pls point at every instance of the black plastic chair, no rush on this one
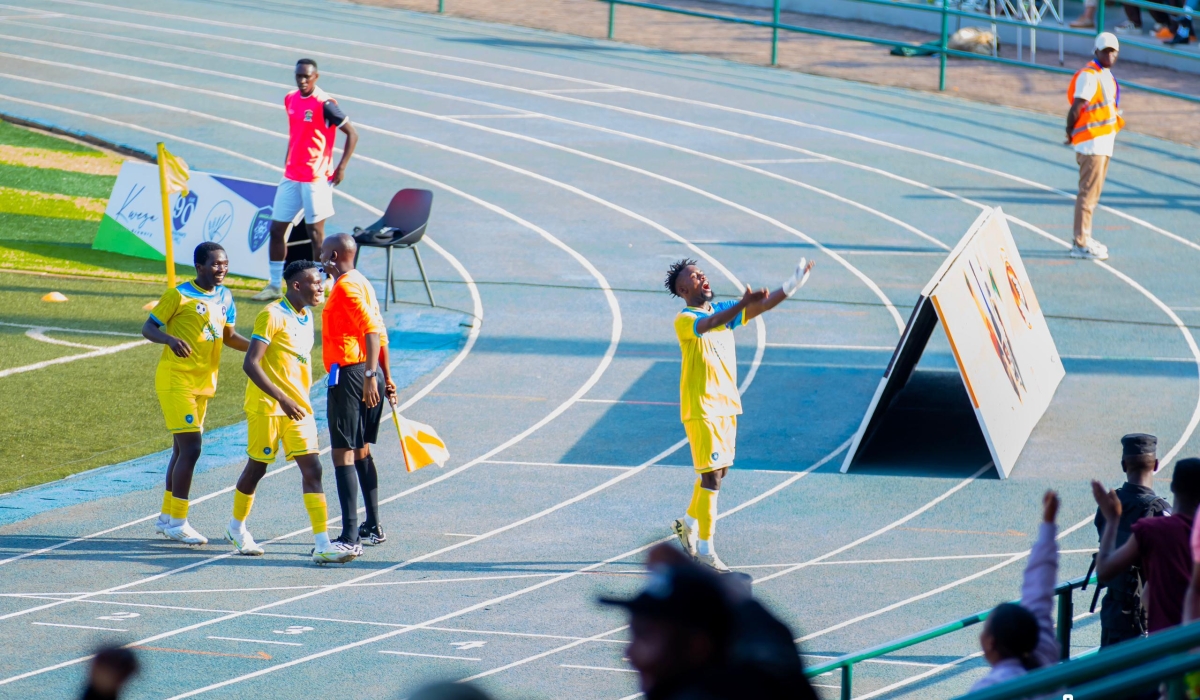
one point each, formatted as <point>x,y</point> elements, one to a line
<point>402,226</point>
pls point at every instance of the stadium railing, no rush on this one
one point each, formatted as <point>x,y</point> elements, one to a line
<point>941,47</point>
<point>1066,614</point>
<point>1119,671</point>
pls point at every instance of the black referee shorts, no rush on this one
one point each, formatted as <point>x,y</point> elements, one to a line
<point>351,424</point>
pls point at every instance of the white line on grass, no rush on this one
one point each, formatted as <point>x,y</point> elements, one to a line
<point>61,329</point>
<point>72,358</point>
<point>36,333</point>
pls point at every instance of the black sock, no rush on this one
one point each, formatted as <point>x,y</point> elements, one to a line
<point>368,479</point>
<point>347,488</point>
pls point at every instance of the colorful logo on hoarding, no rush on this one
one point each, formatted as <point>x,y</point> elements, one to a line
<point>218,221</point>
<point>182,210</point>
<point>260,229</point>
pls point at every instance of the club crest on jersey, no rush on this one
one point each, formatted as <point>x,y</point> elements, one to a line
<point>308,115</point>
<point>715,456</point>
<point>188,418</point>
<point>260,228</point>
<point>224,311</point>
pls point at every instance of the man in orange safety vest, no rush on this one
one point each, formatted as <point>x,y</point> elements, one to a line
<point>1092,126</point>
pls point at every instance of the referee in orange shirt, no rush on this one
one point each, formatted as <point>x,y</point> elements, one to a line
<point>354,347</point>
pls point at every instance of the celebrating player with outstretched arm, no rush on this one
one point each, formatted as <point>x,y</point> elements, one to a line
<point>278,410</point>
<point>709,402</point>
<point>193,320</point>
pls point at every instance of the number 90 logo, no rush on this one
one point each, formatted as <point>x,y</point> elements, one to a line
<point>181,212</point>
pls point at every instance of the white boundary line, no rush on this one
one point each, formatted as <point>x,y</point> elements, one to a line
<point>111,350</point>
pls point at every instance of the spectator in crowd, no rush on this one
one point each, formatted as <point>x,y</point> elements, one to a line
<point>1164,24</point>
<point>1092,125</point>
<point>1183,27</point>
<point>1017,639</point>
<point>1122,615</point>
<point>449,691</point>
<point>112,667</point>
<point>700,636</point>
<point>1159,546</point>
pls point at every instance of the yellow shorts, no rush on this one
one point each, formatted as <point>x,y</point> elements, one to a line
<point>183,411</point>
<point>712,442</point>
<point>266,432</point>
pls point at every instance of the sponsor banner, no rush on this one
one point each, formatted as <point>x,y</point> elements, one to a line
<point>233,212</point>
<point>1009,365</point>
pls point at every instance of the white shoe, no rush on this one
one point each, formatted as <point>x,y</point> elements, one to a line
<point>268,293</point>
<point>161,525</point>
<point>243,542</point>
<point>1093,251</point>
<point>1128,27</point>
<point>713,562</point>
<point>687,538</point>
<point>337,553</point>
<point>186,534</point>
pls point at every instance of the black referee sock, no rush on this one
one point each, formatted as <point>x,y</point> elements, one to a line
<point>368,479</point>
<point>347,488</point>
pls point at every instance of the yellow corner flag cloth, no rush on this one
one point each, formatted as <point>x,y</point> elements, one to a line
<point>175,172</point>
<point>419,443</point>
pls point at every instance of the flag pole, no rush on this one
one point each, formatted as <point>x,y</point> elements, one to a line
<point>400,434</point>
<point>168,237</point>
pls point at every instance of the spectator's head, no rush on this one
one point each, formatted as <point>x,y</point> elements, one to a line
<point>1185,484</point>
<point>681,623</point>
<point>112,667</point>
<point>449,691</point>
<point>1010,632</point>
<point>212,264</point>
<point>1139,456</point>
<point>1107,47</point>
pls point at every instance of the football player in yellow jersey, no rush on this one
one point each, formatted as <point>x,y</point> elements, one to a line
<point>709,401</point>
<point>193,320</point>
<point>279,364</point>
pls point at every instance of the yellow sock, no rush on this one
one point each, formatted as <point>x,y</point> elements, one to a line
<point>242,503</point>
<point>706,513</point>
<point>168,499</point>
<point>691,509</point>
<point>179,508</point>
<point>314,503</point>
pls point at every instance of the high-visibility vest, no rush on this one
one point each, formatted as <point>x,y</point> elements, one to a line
<point>1100,116</point>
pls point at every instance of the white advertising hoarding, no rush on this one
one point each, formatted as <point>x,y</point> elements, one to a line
<point>1002,346</point>
<point>231,211</point>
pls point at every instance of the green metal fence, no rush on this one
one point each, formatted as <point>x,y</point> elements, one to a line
<point>1119,671</point>
<point>1066,613</point>
<point>941,47</point>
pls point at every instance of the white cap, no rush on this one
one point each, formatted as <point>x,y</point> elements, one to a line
<point>1107,40</point>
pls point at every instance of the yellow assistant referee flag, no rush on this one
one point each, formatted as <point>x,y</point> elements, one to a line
<point>419,444</point>
<point>175,174</point>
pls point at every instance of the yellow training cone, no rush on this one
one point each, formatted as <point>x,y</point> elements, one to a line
<point>149,305</point>
<point>54,297</point>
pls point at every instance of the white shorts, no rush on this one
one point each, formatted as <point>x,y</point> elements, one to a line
<point>315,198</point>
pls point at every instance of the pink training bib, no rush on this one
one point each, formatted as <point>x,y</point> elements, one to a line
<point>310,137</point>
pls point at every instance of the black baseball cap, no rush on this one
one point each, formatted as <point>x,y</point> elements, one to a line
<point>685,594</point>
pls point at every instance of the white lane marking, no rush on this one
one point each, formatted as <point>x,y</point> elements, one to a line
<point>259,641</point>
<point>886,528</point>
<point>767,161</point>
<point>573,90</point>
<point>628,402</point>
<point>920,676</point>
<point>598,668</point>
<point>935,591</point>
<point>467,646</point>
<point>458,534</point>
<point>431,656</point>
<point>72,358</point>
<point>490,116</point>
<point>886,662</point>
<point>905,560</point>
<point>824,346</point>
<point>560,464</point>
<point>36,333</point>
<point>61,329</point>
<point>544,654</point>
<point>78,627</point>
<point>610,86</point>
<point>583,154</point>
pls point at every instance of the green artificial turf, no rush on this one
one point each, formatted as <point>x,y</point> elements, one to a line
<point>56,181</point>
<point>13,135</point>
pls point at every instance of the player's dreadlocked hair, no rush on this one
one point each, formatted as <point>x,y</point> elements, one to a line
<point>673,274</point>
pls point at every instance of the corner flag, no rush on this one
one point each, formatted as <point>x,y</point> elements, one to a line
<point>173,177</point>
<point>419,444</point>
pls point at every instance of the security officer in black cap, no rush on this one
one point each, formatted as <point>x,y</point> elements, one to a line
<point>1122,614</point>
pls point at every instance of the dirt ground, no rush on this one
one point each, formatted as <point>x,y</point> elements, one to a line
<point>1040,91</point>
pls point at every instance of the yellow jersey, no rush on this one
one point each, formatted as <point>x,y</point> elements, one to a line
<point>287,363</point>
<point>199,318</point>
<point>708,380</point>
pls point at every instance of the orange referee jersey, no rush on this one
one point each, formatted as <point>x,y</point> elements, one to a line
<point>350,313</point>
